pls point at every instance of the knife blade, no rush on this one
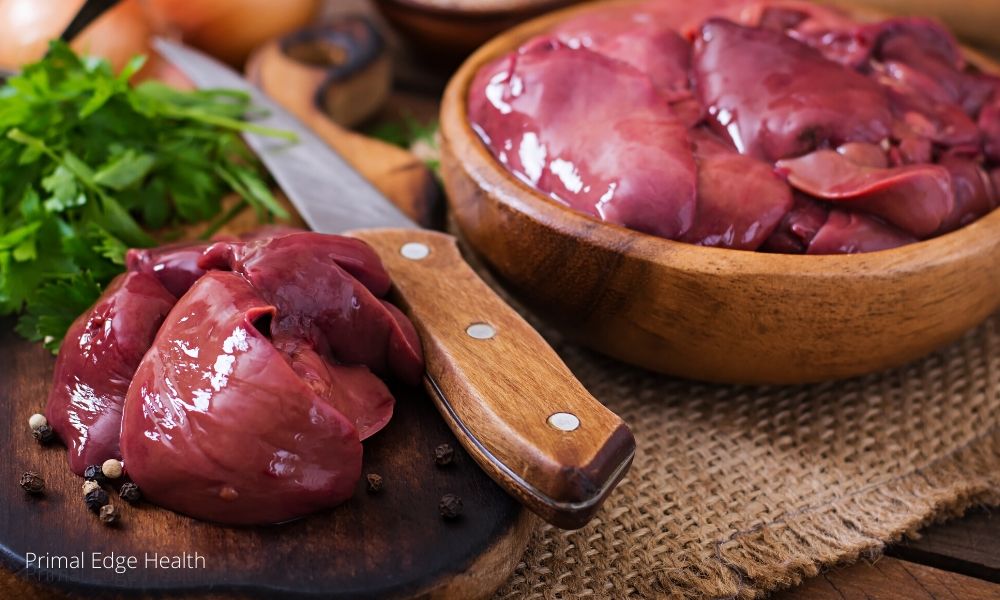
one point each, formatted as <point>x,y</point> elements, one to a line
<point>510,400</point>
<point>306,169</point>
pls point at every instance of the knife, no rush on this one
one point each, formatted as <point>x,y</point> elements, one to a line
<point>88,13</point>
<point>508,397</point>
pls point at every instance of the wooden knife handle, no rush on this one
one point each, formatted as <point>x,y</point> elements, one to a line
<point>509,398</point>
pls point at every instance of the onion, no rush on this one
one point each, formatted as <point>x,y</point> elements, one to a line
<point>230,29</point>
<point>117,35</point>
<point>26,26</point>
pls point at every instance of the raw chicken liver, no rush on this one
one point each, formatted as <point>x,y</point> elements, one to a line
<point>325,289</point>
<point>777,97</point>
<point>351,389</point>
<point>176,265</point>
<point>638,38</point>
<point>590,131</point>
<point>916,198</point>
<point>251,405</point>
<point>740,199</point>
<point>849,233</point>
<point>219,426</point>
<point>98,357</point>
<point>881,131</point>
<point>798,227</point>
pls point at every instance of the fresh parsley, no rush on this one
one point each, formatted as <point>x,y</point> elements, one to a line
<point>91,165</point>
<point>410,133</point>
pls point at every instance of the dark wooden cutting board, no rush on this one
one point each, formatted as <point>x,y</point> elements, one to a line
<point>392,544</point>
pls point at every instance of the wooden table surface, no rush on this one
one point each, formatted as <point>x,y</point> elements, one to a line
<point>958,560</point>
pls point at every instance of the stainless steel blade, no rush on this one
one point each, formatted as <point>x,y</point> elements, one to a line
<point>329,194</point>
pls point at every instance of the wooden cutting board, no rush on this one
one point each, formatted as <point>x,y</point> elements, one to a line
<point>393,544</point>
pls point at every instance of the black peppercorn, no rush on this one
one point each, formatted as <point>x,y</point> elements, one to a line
<point>374,483</point>
<point>444,455</point>
<point>450,506</point>
<point>43,434</point>
<point>32,482</point>
<point>96,499</point>
<point>94,473</point>
<point>109,514</point>
<point>130,493</point>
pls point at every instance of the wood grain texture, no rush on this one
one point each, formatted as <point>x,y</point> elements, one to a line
<point>392,544</point>
<point>501,391</point>
<point>891,579</point>
<point>709,313</point>
<point>970,546</point>
<point>341,65</point>
<point>296,85</point>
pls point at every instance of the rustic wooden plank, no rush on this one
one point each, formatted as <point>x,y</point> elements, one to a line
<point>891,579</point>
<point>970,546</point>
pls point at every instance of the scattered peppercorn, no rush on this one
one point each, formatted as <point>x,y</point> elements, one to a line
<point>43,434</point>
<point>32,482</point>
<point>94,473</point>
<point>444,455</point>
<point>89,486</point>
<point>112,468</point>
<point>36,420</point>
<point>95,499</point>
<point>374,483</point>
<point>450,506</point>
<point>130,493</point>
<point>109,514</point>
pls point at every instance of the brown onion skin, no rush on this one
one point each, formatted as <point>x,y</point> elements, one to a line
<point>227,29</point>
<point>26,26</point>
<point>230,29</point>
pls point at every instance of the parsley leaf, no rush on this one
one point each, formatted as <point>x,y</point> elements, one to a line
<point>91,165</point>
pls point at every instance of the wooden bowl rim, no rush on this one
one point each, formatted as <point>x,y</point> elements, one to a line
<point>491,176</point>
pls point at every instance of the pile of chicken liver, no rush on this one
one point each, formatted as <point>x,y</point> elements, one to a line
<point>236,380</point>
<point>777,126</point>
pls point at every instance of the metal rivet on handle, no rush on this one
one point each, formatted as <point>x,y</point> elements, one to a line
<point>564,421</point>
<point>414,251</point>
<point>481,331</point>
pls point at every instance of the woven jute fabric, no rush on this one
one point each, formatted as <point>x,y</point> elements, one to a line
<point>737,491</point>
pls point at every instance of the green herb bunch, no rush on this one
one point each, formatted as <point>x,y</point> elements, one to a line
<point>91,166</point>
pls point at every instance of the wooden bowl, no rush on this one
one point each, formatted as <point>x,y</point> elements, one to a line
<point>709,313</point>
<point>451,29</point>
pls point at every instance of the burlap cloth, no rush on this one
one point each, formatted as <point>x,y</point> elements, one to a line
<point>736,491</point>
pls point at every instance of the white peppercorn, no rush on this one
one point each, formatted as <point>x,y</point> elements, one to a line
<point>112,468</point>
<point>37,420</point>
